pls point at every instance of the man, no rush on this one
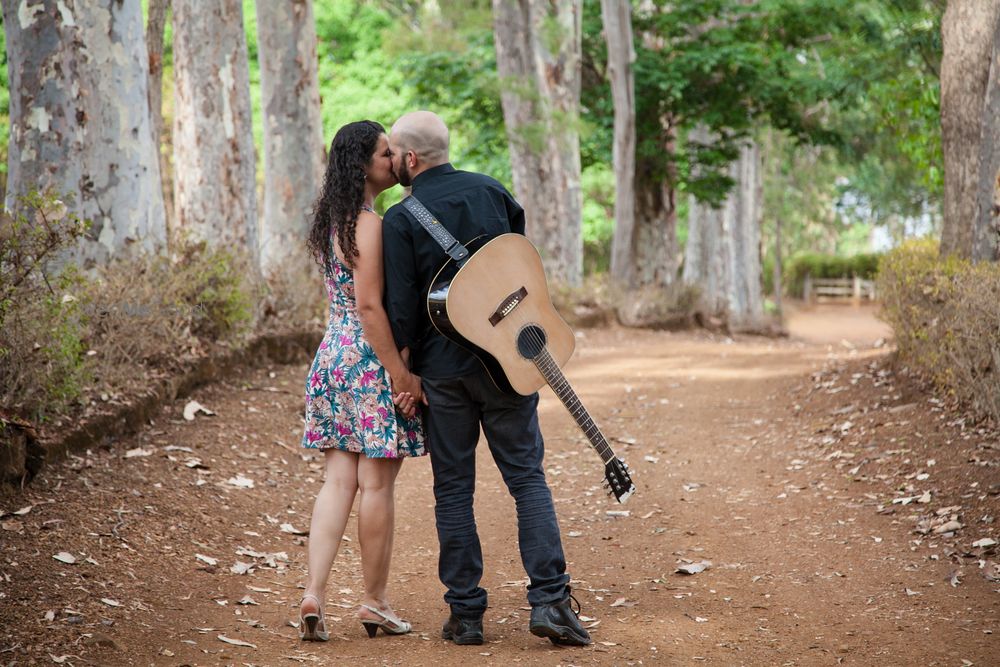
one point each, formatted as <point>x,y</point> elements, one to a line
<point>460,395</point>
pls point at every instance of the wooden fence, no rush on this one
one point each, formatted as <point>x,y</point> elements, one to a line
<point>826,289</point>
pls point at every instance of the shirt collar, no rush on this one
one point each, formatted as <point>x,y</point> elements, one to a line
<point>432,172</point>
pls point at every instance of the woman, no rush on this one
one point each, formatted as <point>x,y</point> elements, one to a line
<point>351,414</point>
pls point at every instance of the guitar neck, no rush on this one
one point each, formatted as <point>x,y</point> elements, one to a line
<point>560,385</point>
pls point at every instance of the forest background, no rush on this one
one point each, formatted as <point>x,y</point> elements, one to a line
<point>678,162</point>
<point>876,164</point>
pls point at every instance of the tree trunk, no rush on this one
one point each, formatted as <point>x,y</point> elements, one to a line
<point>538,48</point>
<point>214,164</point>
<point>155,24</point>
<point>722,257</point>
<point>293,133</point>
<point>986,238</point>
<point>617,19</point>
<point>80,120</point>
<point>741,232</point>
<point>967,31</point>
<point>703,265</point>
<point>777,276</point>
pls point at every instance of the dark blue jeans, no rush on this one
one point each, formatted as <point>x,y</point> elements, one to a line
<point>457,408</point>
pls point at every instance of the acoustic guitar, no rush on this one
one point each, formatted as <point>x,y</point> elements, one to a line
<point>495,303</point>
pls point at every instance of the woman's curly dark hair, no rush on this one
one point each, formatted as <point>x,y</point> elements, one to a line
<point>343,191</point>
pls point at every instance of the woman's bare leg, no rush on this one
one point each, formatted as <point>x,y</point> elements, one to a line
<point>329,518</point>
<point>376,514</point>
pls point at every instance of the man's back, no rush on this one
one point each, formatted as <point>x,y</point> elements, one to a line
<point>469,205</point>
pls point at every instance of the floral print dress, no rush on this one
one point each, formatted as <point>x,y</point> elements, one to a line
<point>348,394</point>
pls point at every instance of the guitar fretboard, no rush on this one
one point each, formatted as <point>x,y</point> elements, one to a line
<point>554,376</point>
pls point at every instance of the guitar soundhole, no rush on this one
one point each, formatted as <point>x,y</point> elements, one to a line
<point>531,341</point>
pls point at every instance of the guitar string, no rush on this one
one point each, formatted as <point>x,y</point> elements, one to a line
<point>548,362</point>
<point>547,367</point>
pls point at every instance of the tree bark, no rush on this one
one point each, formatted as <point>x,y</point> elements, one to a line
<point>538,46</point>
<point>777,275</point>
<point>653,249</point>
<point>986,237</point>
<point>617,18</point>
<point>155,24</point>
<point>741,232</point>
<point>293,132</point>
<point>967,32</point>
<point>214,163</point>
<point>722,257</point>
<point>80,120</point>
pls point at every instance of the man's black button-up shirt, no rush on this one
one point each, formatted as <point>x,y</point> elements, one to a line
<point>468,205</point>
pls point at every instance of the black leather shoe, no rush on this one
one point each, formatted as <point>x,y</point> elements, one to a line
<point>463,631</point>
<point>559,623</point>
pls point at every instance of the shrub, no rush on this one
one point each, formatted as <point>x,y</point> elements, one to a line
<point>64,334</point>
<point>153,312</point>
<point>42,366</point>
<point>946,318</point>
<point>589,305</point>
<point>816,265</point>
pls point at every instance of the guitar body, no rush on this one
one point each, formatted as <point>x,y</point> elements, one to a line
<point>496,305</point>
<point>498,297</point>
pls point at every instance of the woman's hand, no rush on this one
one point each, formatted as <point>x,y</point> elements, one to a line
<point>408,394</point>
<point>405,404</point>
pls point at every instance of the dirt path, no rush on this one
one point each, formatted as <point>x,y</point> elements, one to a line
<point>776,460</point>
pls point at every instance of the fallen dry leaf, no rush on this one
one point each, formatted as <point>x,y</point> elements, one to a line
<point>289,528</point>
<point>194,407</point>
<point>694,568</point>
<point>241,568</point>
<point>139,451</point>
<point>240,482</point>
<point>207,559</point>
<point>623,602</point>
<point>236,642</point>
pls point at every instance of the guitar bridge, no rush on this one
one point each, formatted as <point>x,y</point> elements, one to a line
<point>507,306</point>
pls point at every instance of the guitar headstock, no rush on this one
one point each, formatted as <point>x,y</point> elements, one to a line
<point>617,479</point>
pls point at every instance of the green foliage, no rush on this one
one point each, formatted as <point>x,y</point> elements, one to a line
<point>727,65</point>
<point>42,365</point>
<point>895,126</point>
<point>215,285</point>
<point>944,313</point>
<point>598,185</point>
<point>448,61</point>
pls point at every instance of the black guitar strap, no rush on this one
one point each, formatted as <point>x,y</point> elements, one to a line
<point>458,252</point>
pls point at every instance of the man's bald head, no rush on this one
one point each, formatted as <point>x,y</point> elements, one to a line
<point>424,133</point>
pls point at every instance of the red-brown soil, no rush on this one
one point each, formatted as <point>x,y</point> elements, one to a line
<point>776,460</point>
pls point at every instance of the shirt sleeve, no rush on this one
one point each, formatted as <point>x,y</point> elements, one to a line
<point>402,294</point>
<point>515,214</point>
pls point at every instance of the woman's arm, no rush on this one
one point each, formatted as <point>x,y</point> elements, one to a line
<point>369,282</point>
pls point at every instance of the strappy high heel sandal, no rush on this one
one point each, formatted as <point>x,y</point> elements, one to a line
<point>312,626</point>
<point>390,623</point>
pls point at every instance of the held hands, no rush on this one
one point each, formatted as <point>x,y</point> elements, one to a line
<point>408,394</point>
